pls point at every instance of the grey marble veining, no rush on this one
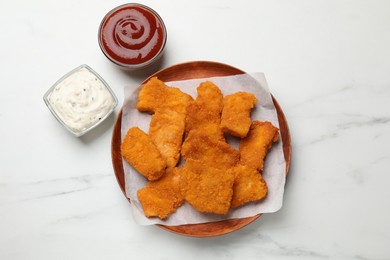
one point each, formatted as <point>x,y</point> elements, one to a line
<point>326,62</point>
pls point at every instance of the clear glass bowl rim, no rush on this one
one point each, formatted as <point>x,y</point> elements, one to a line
<point>50,90</point>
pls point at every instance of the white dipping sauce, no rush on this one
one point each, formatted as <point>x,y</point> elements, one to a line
<point>81,100</point>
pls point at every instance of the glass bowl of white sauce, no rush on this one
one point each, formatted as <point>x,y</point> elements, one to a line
<point>80,100</point>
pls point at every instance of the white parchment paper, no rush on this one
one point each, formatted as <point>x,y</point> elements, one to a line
<point>274,169</point>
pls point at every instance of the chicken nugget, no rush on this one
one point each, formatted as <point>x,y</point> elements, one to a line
<point>162,197</point>
<point>254,147</point>
<point>199,118</point>
<point>248,186</point>
<point>152,95</point>
<point>155,94</point>
<point>207,189</point>
<point>235,118</point>
<point>199,146</point>
<point>166,132</point>
<point>205,112</point>
<point>138,149</point>
<point>210,96</point>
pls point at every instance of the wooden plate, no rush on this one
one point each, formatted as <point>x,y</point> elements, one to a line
<point>193,70</point>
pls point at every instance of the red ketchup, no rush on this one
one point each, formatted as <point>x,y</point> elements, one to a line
<point>132,36</point>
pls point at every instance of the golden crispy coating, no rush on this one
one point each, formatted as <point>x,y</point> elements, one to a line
<point>255,146</point>
<point>152,95</point>
<point>138,149</point>
<point>199,118</point>
<point>235,118</point>
<point>162,197</point>
<point>199,146</point>
<point>155,94</point>
<point>168,106</point>
<point>166,132</point>
<point>205,112</point>
<point>248,186</point>
<point>207,189</point>
<point>215,177</point>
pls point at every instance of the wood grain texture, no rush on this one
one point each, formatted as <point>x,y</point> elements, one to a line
<point>193,70</point>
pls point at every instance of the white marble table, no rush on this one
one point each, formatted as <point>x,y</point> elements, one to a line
<point>328,65</point>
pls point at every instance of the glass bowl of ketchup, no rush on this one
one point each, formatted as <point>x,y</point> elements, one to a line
<point>132,36</point>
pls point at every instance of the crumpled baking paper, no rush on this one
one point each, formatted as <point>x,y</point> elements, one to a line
<point>274,172</point>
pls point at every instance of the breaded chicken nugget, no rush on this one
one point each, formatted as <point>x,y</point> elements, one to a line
<point>138,149</point>
<point>255,146</point>
<point>166,132</point>
<point>205,112</point>
<point>207,189</point>
<point>199,118</point>
<point>155,94</point>
<point>169,108</point>
<point>199,146</point>
<point>248,186</point>
<point>210,96</point>
<point>162,197</point>
<point>235,118</point>
<point>152,95</point>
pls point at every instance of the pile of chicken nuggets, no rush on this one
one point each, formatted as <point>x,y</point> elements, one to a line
<point>214,177</point>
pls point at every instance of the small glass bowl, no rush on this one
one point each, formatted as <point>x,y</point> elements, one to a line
<point>101,118</point>
<point>110,41</point>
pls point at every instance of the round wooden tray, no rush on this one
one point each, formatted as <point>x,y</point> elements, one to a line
<point>193,70</point>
